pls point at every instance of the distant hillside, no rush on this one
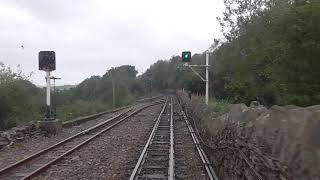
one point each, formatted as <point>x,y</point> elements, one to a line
<point>65,87</point>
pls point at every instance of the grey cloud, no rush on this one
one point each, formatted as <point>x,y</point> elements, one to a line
<point>54,10</point>
<point>88,42</point>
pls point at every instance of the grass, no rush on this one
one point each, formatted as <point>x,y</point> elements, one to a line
<point>218,107</point>
<point>80,108</point>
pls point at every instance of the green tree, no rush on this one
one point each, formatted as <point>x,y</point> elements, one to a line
<point>272,51</point>
<point>19,98</point>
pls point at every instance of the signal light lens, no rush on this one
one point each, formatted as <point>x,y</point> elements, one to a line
<point>186,56</point>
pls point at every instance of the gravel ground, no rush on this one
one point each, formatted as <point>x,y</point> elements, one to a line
<point>28,146</point>
<point>187,161</point>
<point>110,156</point>
<point>114,154</point>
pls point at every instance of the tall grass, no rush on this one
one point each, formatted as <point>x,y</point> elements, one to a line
<point>80,108</point>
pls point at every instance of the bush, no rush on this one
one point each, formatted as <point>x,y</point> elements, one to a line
<point>219,107</point>
<point>21,101</point>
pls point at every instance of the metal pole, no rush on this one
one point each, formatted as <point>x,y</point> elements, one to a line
<point>151,88</point>
<point>53,99</point>
<point>207,78</point>
<point>113,93</point>
<point>48,115</point>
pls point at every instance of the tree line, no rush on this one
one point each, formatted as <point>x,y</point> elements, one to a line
<point>270,53</point>
<point>21,101</point>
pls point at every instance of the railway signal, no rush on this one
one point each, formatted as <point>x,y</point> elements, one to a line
<point>186,56</point>
<point>47,63</point>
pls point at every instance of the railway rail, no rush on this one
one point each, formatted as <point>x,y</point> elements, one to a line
<point>36,163</point>
<point>209,169</point>
<point>157,158</point>
<point>153,160</point>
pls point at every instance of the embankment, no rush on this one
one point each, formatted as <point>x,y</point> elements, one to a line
<point>259,143</point>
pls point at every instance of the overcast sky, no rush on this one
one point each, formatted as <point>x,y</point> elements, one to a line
<point>91,36</point>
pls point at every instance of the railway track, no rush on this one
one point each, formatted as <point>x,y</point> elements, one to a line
<point>157,159</point>
<point>40,161</point>
<point>205,161</point>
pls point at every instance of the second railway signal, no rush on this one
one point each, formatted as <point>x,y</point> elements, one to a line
<point>186,56</point>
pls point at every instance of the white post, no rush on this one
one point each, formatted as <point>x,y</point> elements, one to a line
<point>207,78</point>
<point>48,95</point>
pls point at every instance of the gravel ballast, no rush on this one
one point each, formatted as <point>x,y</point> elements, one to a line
<point>187,160</point>
<point>110,156</point>
<point>114,154</point>
<point>37,142</point>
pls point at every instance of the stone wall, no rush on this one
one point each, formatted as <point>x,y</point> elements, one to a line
<point>259,143</point>
<point>18,133</point>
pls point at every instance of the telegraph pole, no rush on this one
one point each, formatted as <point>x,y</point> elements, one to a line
<point>150,79</point>
<point>207,77</point>
<point>113,92</point>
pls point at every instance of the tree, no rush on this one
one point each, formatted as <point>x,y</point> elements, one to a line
<point>272,51</point>
<point>19,98</point>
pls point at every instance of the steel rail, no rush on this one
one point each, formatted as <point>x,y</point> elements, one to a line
<point>37,154</point>
<point>171,156</point>
<point>240,153</point>
<point>212,175</point>
<point>42,168</point>
<point>2,171</point>
<point>141,159</point>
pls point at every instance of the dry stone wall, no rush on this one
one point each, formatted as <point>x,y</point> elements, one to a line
<point>15,134</point>
<point>259,143</point>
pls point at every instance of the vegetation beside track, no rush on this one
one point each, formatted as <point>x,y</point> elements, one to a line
<point>21,101</point>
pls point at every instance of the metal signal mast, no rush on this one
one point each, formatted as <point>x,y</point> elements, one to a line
<point>186,57</point>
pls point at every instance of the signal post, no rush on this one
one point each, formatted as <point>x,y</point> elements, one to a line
<point>186,58</point>
<point>47,63</point>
